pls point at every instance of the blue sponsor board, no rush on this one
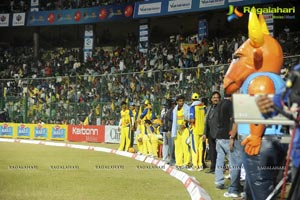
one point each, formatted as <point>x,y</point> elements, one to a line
<point>23,132</point>
<point>80,16</point>
<point>6,131</point>
<point>144,38</point>
<point>157,8</point>
<point>202,29</point>
<point>40,133</point>
<point>58,133</point>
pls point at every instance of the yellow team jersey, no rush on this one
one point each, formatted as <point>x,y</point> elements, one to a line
<point>198,125</point>
<point>125,118</point>
<point>148,115</point>
<point>180,117</point>
<point>134,114</point>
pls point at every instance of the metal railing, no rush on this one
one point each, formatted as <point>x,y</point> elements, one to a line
<point>70,99</point>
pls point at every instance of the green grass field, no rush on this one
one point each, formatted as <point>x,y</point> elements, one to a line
<point>29,172</point>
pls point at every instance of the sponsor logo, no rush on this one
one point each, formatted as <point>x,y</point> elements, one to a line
<point>233,13</point>
<point>276,12</point>
<point>84,131</point>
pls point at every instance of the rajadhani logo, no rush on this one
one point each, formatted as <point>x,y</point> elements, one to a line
<point>233,13</point>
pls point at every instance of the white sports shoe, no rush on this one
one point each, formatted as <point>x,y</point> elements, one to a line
<point>233,195</point>
<point>227,176</point>
<point>200,169</point>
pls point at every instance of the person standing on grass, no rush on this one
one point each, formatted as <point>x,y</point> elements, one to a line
<point>196,123</point>
<point>134,125</point>
<point>228,145</point>
<point>147,114</point>
<point>180,132</point>
<point>210,130</point>
<point>168,145</point>
<point>125,124</point>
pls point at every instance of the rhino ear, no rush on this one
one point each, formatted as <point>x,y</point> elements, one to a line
<point>257,58</point>
<point>255,30</point>
<point>263,24</point>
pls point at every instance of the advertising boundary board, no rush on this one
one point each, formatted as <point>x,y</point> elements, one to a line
<point>112,135</point>
<point>192,186</point>
<point>82,133</point>
<point>34,131</point>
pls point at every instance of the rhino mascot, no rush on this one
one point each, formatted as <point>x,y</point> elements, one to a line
<point>255,69</point>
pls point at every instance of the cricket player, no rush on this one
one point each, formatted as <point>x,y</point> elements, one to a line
<point>125,124</point>
<point>154,136</point>
<point>146,115</point>
<point>196,122</point>
<point>180,133</point>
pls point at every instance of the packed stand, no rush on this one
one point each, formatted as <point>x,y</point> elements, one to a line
<point>59,84</point>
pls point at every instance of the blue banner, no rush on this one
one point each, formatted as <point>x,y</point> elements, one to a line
<point>80,16</point>
<point>202,29</point>
<point>6,131</point>
<point>23,131</point>
<point>144,38</point>
<point>40,132</point>
<point>157,8</point>
<point>88,42</point>
<point>58,133</point>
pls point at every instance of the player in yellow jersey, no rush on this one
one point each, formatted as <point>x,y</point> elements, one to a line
<point>125,124</point>
<point>147,114</point>
<point>180,133</point>
<point>196,124</point>
<point>154,135</point>
<point>140,128</point>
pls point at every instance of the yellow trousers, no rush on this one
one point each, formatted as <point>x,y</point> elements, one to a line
<point>124,139</point>
<point>154,144</point>
<point>139,142</point>
<point>196,150</point>
<point>182,153</point>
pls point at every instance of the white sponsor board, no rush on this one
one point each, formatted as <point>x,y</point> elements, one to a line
<point>34,2</point>
<point>18,19</point>
<point>149,8</point>
<point>177,5</point>
<point>88,43</point>
<point>211,3</point>
<point>112,135</point>
<point>4,19</point>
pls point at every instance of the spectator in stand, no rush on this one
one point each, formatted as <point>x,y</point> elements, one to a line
<point>18,64</point>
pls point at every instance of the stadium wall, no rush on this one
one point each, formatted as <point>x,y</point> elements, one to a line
<point>73,133</point>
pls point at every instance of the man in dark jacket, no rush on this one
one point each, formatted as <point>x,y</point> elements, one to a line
<point>168,144</point>
<point>211,128</point>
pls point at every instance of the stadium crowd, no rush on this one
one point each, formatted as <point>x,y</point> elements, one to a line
<point>59,87</point>
<point>60,84</point>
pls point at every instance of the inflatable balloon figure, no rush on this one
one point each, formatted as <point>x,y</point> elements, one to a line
<point>255,69</point>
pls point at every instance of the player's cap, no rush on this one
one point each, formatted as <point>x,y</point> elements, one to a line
<point>146,102</point>
<point>157,121</point>
<point>131,104</point>
<point>195,96</point>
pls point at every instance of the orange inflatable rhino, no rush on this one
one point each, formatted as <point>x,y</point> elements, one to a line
<point>255,69</point>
